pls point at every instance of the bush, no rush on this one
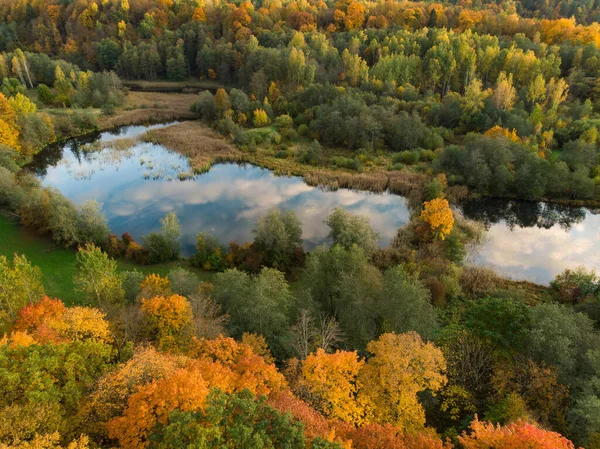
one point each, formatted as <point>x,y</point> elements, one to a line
<point>303,129</point>
<point>312,155</point>
<point>407,157</point>
<point>345,162</point>
<point>45,95</point>
<point>576,285</point>
<point>209,253</point>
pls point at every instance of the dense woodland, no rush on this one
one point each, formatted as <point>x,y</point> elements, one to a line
<point>351,345</point>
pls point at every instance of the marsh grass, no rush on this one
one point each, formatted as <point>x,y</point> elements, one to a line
<point>150,107</point>
<point>200,144</point>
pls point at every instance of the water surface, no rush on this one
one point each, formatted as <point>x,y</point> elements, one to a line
<point>139,185</point>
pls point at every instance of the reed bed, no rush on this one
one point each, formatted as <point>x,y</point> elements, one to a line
<point>200,144</point>
<point>374,182</point>
<point>147,107</point>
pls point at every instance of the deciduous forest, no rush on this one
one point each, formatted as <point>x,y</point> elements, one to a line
<point>264,344</point>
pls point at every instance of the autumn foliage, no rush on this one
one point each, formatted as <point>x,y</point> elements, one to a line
<point>438,215</point>
<point>518,435</point>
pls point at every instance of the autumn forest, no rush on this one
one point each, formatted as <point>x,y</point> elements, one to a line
<point>354,341</point>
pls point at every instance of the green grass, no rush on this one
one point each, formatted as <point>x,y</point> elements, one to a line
<point>58,264</point>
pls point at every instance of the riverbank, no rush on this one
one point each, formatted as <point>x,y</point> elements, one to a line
<point>58,263</point>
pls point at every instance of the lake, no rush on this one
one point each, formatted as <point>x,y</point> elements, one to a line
<point>139,185</point>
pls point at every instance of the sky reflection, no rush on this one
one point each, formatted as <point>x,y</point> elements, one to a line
<point>526,240</point>
<point>226,201</point>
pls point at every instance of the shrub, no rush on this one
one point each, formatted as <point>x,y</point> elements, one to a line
<point>576,285</point>
<point>209,252</point>
<point>45,95</point>
<point>407,157</point>
<point>345,162</point>
<point>11,193</point>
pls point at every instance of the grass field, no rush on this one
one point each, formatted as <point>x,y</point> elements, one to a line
<point>58,264</point>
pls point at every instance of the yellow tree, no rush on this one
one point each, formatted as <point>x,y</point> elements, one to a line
<point>171,320</point>
<point>401,366</point>
<point>438,215</point>
<point>505,94</point>
<point>155,285</point>
<point>9,131</point>
<point>332,378</point>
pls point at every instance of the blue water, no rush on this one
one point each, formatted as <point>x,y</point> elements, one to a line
<point>137,186</point>
<point>140,185</point>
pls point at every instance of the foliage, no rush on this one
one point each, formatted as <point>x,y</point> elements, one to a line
<point>437,214</point>
<point>332,379</point>
<point>163,246</point>
<point>279,235</point>
<point>348,230</point>
<point>171,320</point>
<point>514,435</point>
<point>228,420</point>
<point>400,367</point>
<point>96,277</point>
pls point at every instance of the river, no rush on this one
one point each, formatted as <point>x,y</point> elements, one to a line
<point>138,185</point>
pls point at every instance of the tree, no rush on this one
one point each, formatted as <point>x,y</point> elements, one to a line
<point>222,101</point>
<point>9,131</point>
<point>20,284</point>
<point>504,322</point>
<point>163,246</point>
<point>43,387</point>
<point>438,215</point>
<point>514,435</point>
<point>332,379</point>
<point>171,320</point>
<point>114,389</point>
<point>260,118</point>
<point>96,277</point>
<point>279,236</point>
<point>505,94</point>
<point>404,304</point>
<point>92,226</point>
<point>348,230</point>
<point>237,420</point>
<point>345,287</point>
<point>400,367</point>
<point>185,389</point>
<point>257,304</point>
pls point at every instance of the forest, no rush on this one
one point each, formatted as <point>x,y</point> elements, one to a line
<point>263,344</point>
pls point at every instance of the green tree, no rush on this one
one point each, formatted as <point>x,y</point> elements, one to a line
<point>91,223</point>
<point>163,246</point>
<point>20,284</point>
<point>279,236</point>
<point>258,304</point>
<point>503,321</point>
<point>348,230</point>
<point>43,387</point>
<point>97,278</point>
<point>404,304</point>
<point>236,420</point>
<point>344,286</point>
